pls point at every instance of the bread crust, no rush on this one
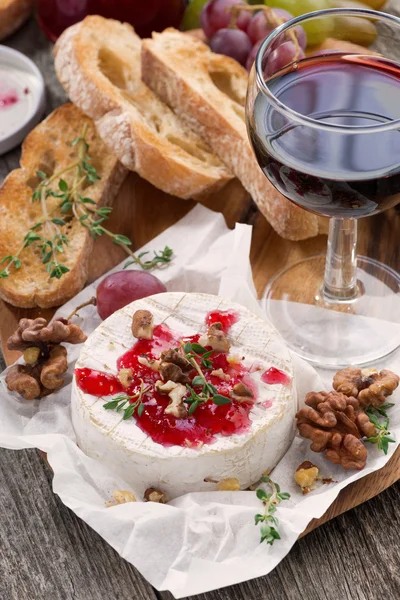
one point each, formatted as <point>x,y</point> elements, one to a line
<point>13,13</point>
<point>209,91</point>
<point>98,63</point>
<point>48,148</point>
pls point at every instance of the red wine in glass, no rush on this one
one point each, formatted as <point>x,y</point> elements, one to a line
<point>331,171</point>
<point>145,15</point>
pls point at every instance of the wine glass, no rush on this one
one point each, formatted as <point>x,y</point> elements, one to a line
<point>326,132</point>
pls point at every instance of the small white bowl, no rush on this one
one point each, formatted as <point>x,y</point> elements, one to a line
<point>22,97</point>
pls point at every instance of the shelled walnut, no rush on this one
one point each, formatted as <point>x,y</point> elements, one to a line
<point>215,338</point>
<point>335,424</point>
<point>46,360</point>
<point>368,386</point>
<point>143,325</point>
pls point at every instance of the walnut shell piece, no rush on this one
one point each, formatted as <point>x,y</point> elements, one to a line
<point>369,387</point>
<point>142,325</point>
<point>335,424</point>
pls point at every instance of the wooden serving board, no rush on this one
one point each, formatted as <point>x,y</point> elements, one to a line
<point>141,212</point>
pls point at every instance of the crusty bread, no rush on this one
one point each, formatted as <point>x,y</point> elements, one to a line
<point>13,13</point>
<point>98,63</point>
<point>209,91</point>
<point>48,148</point>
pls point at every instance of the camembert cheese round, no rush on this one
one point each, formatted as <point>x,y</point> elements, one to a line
<point>203,393</point>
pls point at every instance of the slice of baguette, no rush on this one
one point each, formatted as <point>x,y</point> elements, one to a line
<point>13,13</point>
<point>209,90</point>
<point>48,148</point>
<point>98,63</point>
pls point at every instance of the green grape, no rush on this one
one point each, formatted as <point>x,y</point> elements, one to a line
<point>191,18</point>
<point>317,30</point>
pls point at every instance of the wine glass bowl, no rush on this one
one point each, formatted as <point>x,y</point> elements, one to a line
<point>325,130</point>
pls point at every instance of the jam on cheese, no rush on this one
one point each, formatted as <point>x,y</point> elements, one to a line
<point>274,376</point>
<point>208,419</point>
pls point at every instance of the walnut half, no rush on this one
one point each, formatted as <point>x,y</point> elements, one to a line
<point>335,424</point>
<point>368,386</point>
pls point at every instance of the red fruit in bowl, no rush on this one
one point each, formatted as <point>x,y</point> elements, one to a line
<point>121,288</point>
<point>217,14</point>
<point>231,42</point>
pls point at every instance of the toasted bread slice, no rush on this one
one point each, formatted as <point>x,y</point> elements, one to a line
<point>209,91</point>
<point>98,63</point>
<point>13,13</point>
<point>48,148</point>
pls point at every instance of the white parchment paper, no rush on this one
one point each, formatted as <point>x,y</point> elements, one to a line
<point>201,541</point>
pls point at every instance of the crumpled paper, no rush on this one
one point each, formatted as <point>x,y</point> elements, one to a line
<point>200,541</point>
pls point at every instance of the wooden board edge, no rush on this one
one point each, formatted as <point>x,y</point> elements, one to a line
<point>360,491</point>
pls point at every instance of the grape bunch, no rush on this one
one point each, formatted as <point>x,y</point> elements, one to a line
<point>240,33</point>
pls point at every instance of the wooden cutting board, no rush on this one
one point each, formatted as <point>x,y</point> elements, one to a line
<point>141,212</point>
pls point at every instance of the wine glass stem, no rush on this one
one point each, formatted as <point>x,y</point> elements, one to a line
<point>340,282</point>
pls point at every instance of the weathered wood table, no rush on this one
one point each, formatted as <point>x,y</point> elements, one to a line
<point>48,553</point>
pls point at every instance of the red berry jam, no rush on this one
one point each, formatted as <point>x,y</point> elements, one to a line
<point>97,383</point>
<point>225,317</point>
<point>206,421</point>
<point>275,376</point>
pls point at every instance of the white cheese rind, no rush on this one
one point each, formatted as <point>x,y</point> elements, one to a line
<point>176,470</point>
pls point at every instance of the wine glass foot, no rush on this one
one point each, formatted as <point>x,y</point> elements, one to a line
<point>331,333</point>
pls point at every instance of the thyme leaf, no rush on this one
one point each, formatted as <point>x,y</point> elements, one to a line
<point>271,498</point>
<point>48,235</point>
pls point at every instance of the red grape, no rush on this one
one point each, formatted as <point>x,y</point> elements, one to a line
<point>300,33</point>
<point>301,37</point>
<point>282,14</point>
<point>253,54</point>
<point>259,27</point>
<point>282,56</point>
<point>217,14</point>
<point>243,20</point>
<point>121,288</point>
<point>231,42</point>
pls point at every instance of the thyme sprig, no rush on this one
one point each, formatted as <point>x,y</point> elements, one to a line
<point>124,402</point>
<point>269,528</point>
<point>199,357</point>
<point>48,234</point>
<point>382,438</point>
